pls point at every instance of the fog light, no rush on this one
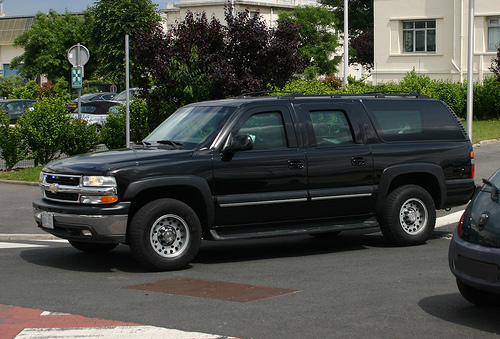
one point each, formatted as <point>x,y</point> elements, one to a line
<point>87,233</point>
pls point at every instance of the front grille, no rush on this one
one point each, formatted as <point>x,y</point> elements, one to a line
<point>62,180</point>
<point>62,196</point>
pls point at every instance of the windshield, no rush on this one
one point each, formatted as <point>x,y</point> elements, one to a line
<point>191,127</point>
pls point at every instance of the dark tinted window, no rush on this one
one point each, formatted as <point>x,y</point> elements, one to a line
<point>266,130</point>
<point>408,120</point>
<point>330,128</point>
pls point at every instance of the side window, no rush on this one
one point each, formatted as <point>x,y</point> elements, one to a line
<point>266,130</point>
<point>411,120</point>
<point>331,128</point>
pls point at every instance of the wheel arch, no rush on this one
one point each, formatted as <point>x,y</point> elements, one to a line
<point>191,190</point>
<point>428,176</point>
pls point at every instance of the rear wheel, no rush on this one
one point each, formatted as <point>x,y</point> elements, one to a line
<point>408,216</point>
<point>165,235</point>
<point>92,247</point>
<point>478,297</point>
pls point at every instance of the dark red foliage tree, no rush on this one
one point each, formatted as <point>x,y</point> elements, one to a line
<point>201,59</point>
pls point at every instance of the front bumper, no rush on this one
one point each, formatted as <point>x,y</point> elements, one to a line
<point>475,265</point>
<point>83,223</point>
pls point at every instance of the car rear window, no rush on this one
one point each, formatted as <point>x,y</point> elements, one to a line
<point>413,120</point>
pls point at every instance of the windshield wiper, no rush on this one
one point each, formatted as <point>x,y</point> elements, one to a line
<point>175,144</point>
<point>142,143</point>
<point>494,189</point>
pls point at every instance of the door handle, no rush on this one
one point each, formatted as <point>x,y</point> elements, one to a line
<point>296,164</point>
<point>358,161</point>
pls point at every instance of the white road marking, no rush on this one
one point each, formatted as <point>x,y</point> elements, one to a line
<point>449,219</point>
<point>4,245</point>
<point>127,332</point>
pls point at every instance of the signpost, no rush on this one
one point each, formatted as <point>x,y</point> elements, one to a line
<point>78,56</point>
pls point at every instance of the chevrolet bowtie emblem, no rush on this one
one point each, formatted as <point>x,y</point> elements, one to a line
<point>54,188</point>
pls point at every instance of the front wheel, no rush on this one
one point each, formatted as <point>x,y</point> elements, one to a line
<point>165,235</point>
<point>408,216</point>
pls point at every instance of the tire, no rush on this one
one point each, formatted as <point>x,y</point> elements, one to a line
<point>408,216</point>
<point>478,297</point>
<point>164,235</point>
<point>92,247</point>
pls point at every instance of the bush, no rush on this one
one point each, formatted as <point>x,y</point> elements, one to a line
<point>43,129</point>
<point>80,137</point>
<point>12,147</point>
<point>113,131</point>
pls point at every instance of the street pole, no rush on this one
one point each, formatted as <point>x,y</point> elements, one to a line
<point>470,71</point>
<point>79,90</point>
<point>127,87</point>
<point>346,42</point>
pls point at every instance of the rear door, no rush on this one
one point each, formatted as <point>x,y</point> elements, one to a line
<point>340,164</point>
<point>267,183</point>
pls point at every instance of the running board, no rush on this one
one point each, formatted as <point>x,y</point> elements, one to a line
<point>282,230</point>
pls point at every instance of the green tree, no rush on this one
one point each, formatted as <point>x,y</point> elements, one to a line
<point>107,23</point>
<point>46,45</point>
<point>8,84</point>
<point>317,36</point>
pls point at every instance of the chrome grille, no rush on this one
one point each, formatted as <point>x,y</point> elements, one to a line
<point>62,179</point>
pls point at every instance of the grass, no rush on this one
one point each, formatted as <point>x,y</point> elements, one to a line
<point>481,130</point>
<point>485,130</point>
<point>25,174</point>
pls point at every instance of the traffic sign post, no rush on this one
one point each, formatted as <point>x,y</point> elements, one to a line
<point>78,56</point>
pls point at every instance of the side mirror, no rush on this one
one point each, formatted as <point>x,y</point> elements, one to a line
<point>235,144</point>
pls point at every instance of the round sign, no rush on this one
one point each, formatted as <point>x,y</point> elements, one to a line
<point>78,55</point>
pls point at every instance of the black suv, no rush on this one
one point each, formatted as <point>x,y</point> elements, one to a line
<point>252,167</point>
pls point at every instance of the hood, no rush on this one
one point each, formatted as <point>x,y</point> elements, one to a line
<point>100,163</point>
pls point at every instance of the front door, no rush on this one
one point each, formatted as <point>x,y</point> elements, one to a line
<point>267,183</point>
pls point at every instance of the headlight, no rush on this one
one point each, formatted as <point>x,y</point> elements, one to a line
<point>98,181</point>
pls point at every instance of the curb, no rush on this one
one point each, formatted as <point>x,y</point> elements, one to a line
<point>28,237</point>
<point>18,182</point>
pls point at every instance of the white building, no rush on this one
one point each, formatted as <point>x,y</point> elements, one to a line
<point>11,28</point>
<point>431,36</point>
<point>268,9</point>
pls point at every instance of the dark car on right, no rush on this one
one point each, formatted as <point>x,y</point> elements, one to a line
<point>474,254</point>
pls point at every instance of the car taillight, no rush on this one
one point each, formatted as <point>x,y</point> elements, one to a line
<point>473,166</point>
<point>460,225</point>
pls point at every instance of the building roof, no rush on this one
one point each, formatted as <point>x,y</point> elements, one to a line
<point>12,27</point>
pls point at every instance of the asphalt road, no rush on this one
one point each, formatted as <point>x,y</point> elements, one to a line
<point>353,286</point>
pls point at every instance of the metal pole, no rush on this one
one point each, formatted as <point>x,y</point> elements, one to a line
<point>79,109</point>
<point>346,41</point>
<point>470,71</point>
<point>127,87</point>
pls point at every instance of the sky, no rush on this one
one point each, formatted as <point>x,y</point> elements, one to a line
<point>31,7</point>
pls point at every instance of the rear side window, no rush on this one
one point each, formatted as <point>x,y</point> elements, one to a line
<point>413,120</point>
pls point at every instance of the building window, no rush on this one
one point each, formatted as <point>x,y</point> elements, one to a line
<point>493,34</point>
<point>419,36</point>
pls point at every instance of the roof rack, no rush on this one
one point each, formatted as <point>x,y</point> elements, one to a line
<point>376,94</point>
<point>251,94</point>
